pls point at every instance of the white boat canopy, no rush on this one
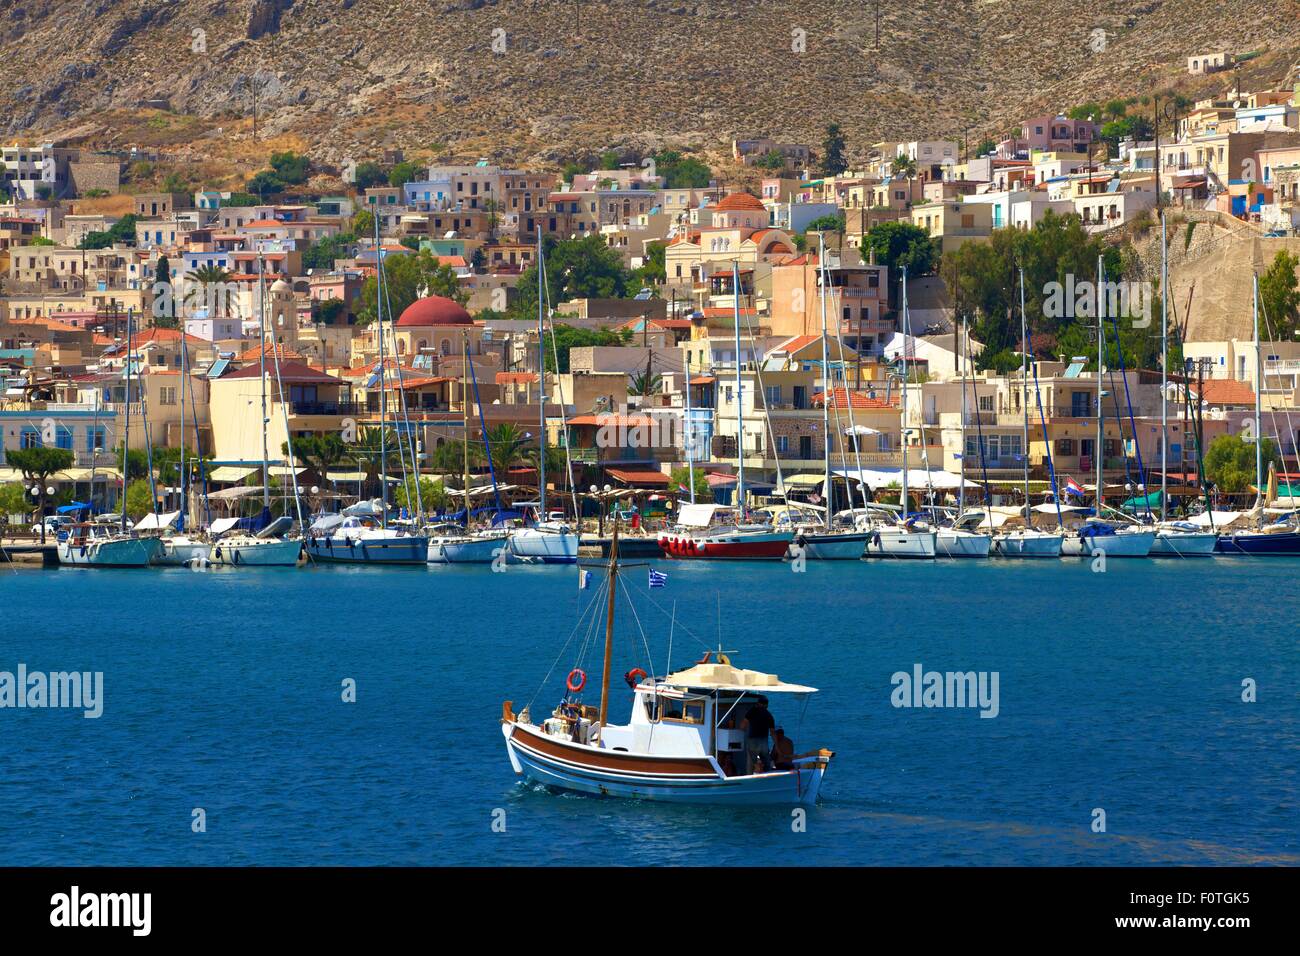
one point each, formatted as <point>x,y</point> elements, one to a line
<point>153,522</point>
<point>696,516</point>
<point>917,478</point>
<point>726,677</point>
<point>1221,518</point>
<point>222,525</point>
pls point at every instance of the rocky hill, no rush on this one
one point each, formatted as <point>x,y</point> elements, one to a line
<point>542,80</point>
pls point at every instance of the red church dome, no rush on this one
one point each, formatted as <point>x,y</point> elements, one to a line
<point>741,202</point>
<point>433,310</point>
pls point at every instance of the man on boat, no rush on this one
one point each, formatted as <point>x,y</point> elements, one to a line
<point>782,750</point>
<point>758,723</point>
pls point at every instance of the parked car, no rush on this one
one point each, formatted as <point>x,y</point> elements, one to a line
<point>52,525</point>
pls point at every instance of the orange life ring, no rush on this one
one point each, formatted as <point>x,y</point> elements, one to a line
<point>577,680</point>
<point>635,676</point>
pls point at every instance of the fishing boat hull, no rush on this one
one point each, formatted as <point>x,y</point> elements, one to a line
<point>384,551</point>
<point>834,547</point>
<point>1279,543</point>
<point>563,765</point>
<point>962,544</point>
<point>1184,544</point>
<point>110,552</point>
<point>256,552</point>
<point>893,543</point>
<point>549,547</point>
<point>728,546</point>
<point>1021,545</point>
<point>476,550</point>
<point>1136,544</point>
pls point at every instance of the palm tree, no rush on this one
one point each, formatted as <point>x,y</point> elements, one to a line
<point>506,443</point>
<point>905,166</point>
<point>206,278</point>
<point>645,383</point>
<point>318,452</point>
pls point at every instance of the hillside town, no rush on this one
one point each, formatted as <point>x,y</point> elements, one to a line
<point>684,328</point>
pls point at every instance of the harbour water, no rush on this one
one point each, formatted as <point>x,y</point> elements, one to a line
<point>1119,691</point>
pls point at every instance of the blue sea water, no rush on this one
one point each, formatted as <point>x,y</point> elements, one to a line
<point>223,691</point>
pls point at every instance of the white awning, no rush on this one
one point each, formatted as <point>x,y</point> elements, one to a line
<point>727,677</point>
<point>233,494</point>
<point>696,516</point>
<point>346,475</point>
<point>917,478</point>
<point>153,522</point>
<point>222,525</point>
<point>230,473</point>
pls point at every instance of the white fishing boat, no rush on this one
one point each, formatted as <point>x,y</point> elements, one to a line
<point>103,546</point>
<point>688,738</point>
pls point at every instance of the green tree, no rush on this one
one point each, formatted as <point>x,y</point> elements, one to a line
<point>682,172</point>
<point>772,161</point>
<point>319,453</point>
<point>901,244</point>
<point>833,161</point>
<point>122,231</point>
<point>985,147</point>
<point>322,253</point>
<point>1230,463</point>
<point>265,183</point>
<point>14,501</point>
<point>363,223</point>
<point>405,172</point>
<point>833,223</point>
<point>563,338</point>
<point>331,312</point>
<point>609,159</point>
<point>432,495</point>
<point>291,168</point>
<point>38,465</point>
<point>575,269</point>
<point>905,166</point>
<point>653,270</point>
<point>406,276</point>
<point>507,444</point>
<point>681,478</point>
<point>368,174</point>
<point>139,499</point>
<point>645,384</point>
<point>1279,296</point>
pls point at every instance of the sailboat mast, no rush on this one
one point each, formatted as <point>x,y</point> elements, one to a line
<point>690,429</point>
<point>126,433</point>
<point>261,326</point>
<point>1259,385</point>
<point>1164,369</point>
<point>464,408</point>
<point>1024,389</point>
<point>185,377</point>
<point>961,488</point>
<point>1101,345</point>
<point>383,392</point>
<point>541,378</point>
<point>902,415</point>
<point>740,403</point>
<point>826,382</point>
<point>609,622</point>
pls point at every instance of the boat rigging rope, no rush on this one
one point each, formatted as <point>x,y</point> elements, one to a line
<point>649,661</point>
<point>594,598</point>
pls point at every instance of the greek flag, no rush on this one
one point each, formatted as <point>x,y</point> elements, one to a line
<point>657,578</point>
<point>584,580</point>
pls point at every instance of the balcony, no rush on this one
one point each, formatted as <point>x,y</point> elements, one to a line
<point>327,408</point>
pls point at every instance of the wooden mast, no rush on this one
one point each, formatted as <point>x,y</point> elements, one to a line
<point>609,623</point>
